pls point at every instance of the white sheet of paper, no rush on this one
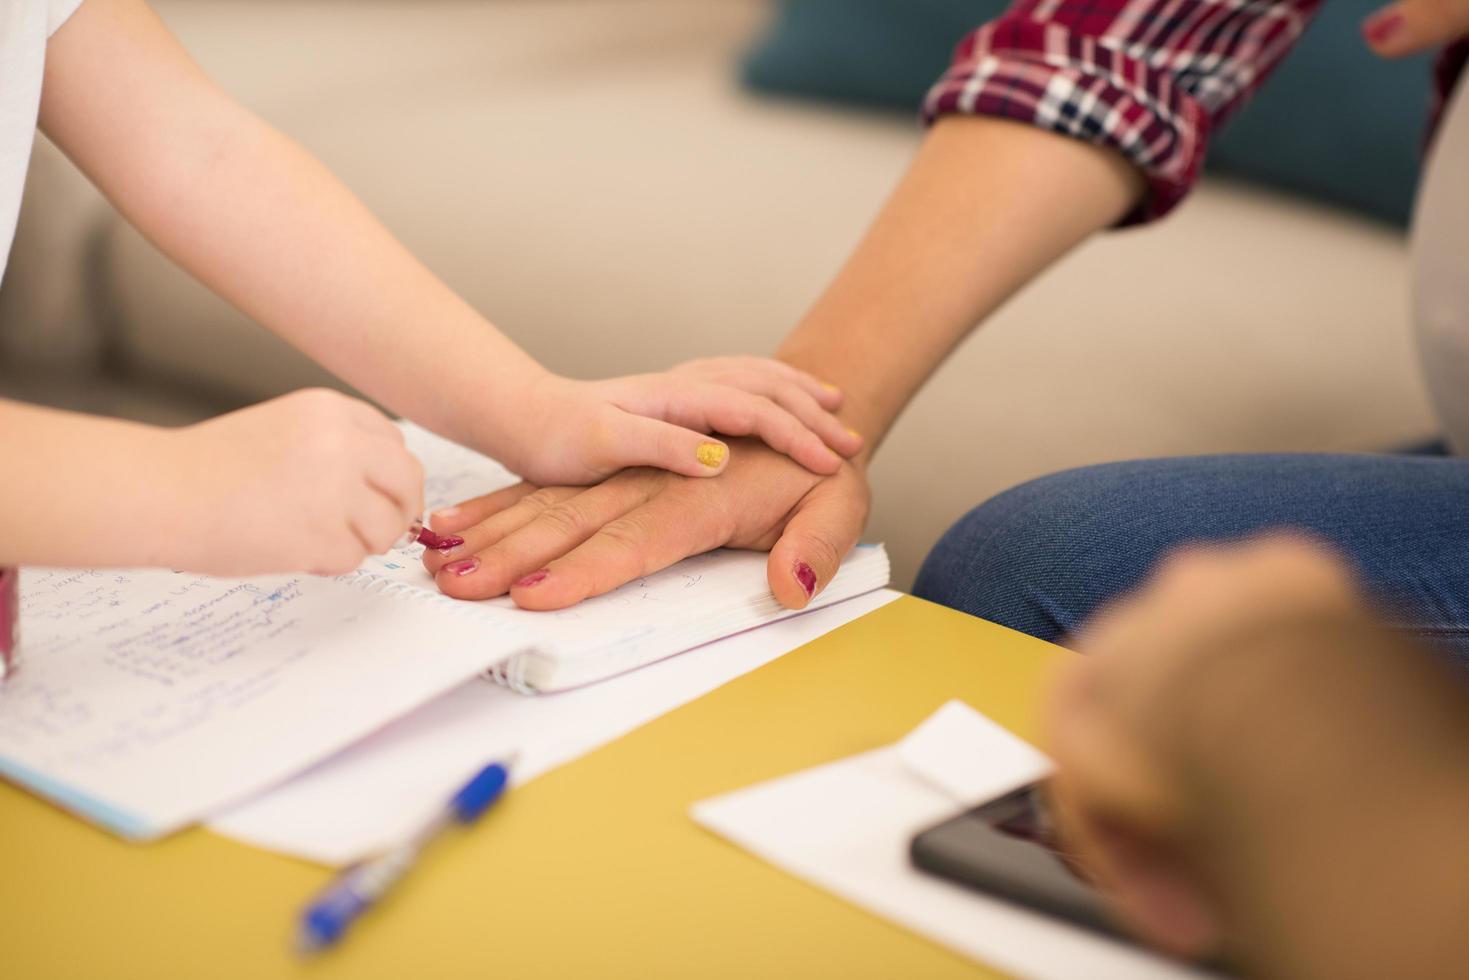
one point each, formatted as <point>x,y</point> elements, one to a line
<point>149,699</point>
<point>942,751</point>
<point>375,793</point>
<point>846,827</point>
<point>700,599</point>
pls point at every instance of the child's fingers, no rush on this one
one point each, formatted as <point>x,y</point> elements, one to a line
<point>636,440</point>
<point>722,369</point>
<point>451,520</point>
<point>1411,26</point>
<point>730,411</point>
<point>376,519</point>
<point>828,396</point>
<point>800,403</point>
<point>398,475</point>
<point>707,407</point>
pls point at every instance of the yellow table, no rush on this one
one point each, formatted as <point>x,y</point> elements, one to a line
<point>593,870</point>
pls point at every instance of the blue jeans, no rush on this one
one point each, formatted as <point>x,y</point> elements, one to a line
<point>1041,557</point>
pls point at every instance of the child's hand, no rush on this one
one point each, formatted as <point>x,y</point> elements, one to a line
<point>577,432</point>
<point>313,481</point>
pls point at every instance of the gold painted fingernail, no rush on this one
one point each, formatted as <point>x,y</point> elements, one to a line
<point>711,454</point>
<point>829,386</point>
<point>854,433</point>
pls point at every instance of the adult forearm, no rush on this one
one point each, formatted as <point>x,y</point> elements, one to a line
<point>986,206</point>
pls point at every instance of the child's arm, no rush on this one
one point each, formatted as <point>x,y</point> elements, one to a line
<point>260,221</point>
<point>314,480</point>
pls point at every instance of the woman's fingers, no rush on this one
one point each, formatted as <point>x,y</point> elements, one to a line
<point>558,527</point>
<point>490,531</point>
<point>451,520</point>
<point>825,525</point>
<point>1411,26</point>
<point>643,540</point>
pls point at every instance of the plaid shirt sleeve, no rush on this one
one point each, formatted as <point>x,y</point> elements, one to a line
<point>1149,78</point>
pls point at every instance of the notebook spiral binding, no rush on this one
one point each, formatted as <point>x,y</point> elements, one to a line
<point>511,673</point>
<point>372,582</point>
<point>508,673</point>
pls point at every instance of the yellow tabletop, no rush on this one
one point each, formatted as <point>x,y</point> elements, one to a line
<point>594,869</point>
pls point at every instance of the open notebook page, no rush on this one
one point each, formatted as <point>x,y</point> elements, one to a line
<point>147,700</point>
<point>377,792</point>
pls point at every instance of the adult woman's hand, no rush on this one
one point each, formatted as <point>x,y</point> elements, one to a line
<point>553,547</point>
<point>1410,26</point>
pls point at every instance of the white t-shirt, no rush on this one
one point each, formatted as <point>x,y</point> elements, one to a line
<point>1441,270</point>
<point>25,26</point>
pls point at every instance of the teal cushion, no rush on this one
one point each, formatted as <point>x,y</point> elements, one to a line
<point>1335,123</point>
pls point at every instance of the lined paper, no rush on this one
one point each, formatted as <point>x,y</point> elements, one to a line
<point>149,699</point>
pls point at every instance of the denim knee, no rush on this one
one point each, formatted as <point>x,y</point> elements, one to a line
<point>1041,558</point>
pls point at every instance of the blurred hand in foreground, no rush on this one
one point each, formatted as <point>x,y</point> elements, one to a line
<point>1251,767</point>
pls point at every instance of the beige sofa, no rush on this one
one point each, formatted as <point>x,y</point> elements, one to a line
<point>587,173</point>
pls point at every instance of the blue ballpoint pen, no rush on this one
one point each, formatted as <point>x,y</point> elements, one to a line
<point>354,891</point>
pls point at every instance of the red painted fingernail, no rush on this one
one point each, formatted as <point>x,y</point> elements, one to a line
<point>806,578</point>
<point>447,546</point>
<point>533,579</point>
<point>461,567</point>
<point>1379,29</point>
<point>429,539</point>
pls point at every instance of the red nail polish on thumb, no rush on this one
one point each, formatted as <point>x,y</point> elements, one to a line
<point>806,578</point>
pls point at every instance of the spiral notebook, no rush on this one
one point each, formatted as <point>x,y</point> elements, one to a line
<point>147,700</point>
